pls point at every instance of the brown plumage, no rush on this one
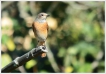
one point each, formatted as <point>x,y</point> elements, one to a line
<point>40,29</point>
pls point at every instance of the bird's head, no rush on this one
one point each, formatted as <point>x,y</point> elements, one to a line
<point>42,16</point>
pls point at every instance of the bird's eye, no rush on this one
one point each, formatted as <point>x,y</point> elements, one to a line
<point>41,14</point>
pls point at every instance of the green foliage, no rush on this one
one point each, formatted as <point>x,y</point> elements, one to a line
<point>76,35</point>
<point>86,68</point>
<point>30,64</point>
<point>5,60</point>
<point>61,52</point>
<point>4,39</point>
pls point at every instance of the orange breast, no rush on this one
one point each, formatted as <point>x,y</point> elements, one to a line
<point>40,30</point>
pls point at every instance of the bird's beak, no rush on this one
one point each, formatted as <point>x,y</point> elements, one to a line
<point>48,15</point>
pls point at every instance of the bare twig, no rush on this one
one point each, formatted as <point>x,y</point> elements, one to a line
<point>52,7</point>
<point>22,69</point>
<point>98,58</point>
<point>23,59</point>
<point>52,60</point>
<point>6,4</point>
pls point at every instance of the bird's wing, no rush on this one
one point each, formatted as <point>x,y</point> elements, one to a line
<point>34,28</point>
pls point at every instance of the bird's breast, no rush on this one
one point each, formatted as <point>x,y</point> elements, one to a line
<point>40,30</point>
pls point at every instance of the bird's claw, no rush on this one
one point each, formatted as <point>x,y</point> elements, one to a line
<point>42,48</point>
<point>32,52</point>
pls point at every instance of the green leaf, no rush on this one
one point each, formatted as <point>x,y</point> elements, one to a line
<point>68,69</point>
<point>4,39</point>
<point>5,60</point>
<point>72,50</point>
<point>10,44</point>
<point>61,52</point>
<point>85,68</point>
<point>30,64</point>
<point>43,71</point>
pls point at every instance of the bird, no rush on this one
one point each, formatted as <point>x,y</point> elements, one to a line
<point>40,29</point>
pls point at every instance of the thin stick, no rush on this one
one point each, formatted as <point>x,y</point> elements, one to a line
<point>23,59</point>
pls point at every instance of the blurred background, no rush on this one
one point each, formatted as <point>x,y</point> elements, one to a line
<point>75,41</point>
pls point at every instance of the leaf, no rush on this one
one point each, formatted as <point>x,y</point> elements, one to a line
<point>10,45</point>
<point>72,50</point>
<point>4,39</point>
<point>86,48</point>
<point>102,63</point>
<point>85,68</point>
<point>61,52</point>
<point>43,71</point>
<point>5,59</point>
<point>67,60</point>
<point>68,69</point>
<point>91,15</point>
<point>30,64</point>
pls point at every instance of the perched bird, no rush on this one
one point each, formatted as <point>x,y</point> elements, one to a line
<point>40,29</point>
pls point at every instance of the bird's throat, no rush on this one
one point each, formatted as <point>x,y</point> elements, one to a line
<point>41,20</point>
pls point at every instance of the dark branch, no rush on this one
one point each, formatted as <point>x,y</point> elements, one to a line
<point>23,59</point>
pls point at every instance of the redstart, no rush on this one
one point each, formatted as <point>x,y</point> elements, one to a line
<point>40,29</point>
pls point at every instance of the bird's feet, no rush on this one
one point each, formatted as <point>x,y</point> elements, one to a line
<point>35,50</point>
<point>43,48</point>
